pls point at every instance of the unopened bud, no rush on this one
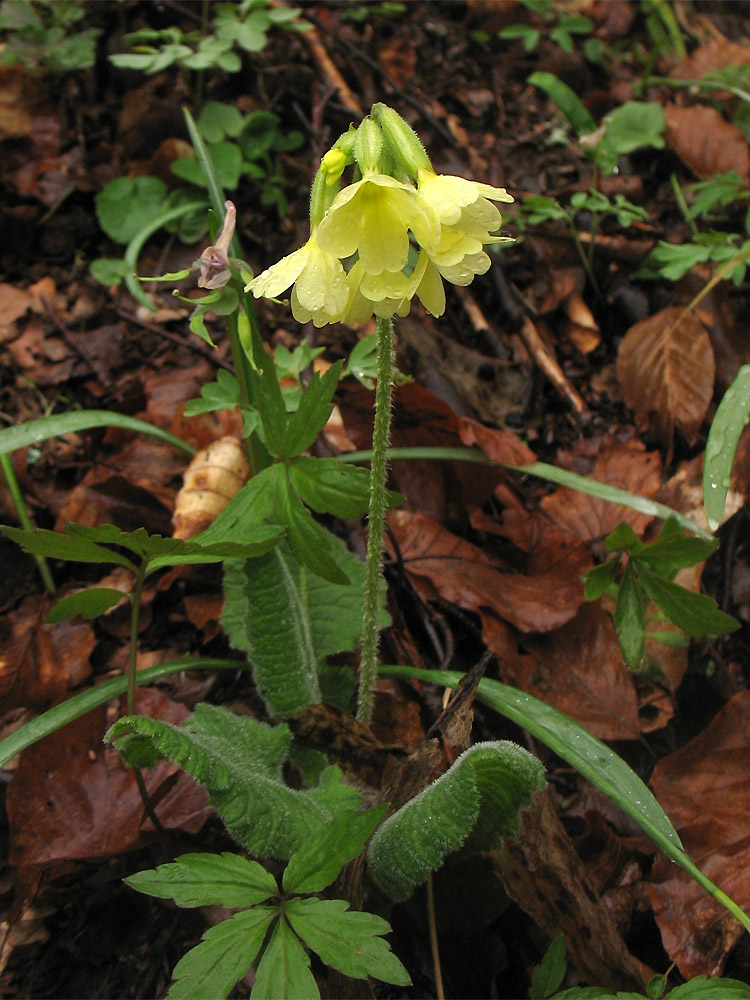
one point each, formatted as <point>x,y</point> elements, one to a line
<point>401,140</point>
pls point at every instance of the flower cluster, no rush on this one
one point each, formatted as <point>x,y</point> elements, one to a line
<point>394,233</point>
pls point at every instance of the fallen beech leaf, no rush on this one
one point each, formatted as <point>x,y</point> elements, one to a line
<point>624,464</point>
<point>706,142</point>
<point>665,366</point>
<point>577,669</point>
<point>38,662</point>
<point>716,54</point>
<point>705,788</point>
<point>72,797</point>
<point>546,598</point>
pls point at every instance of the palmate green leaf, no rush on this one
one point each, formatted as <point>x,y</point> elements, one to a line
<point>317,863</point>
<point>731,417</point>
<point>696,614</point>
<point>207,880</point>
<point>283,972</point>
<point>630,618</point>
<point>347,940</point>
<point>482,792</point>
<point>226,952</point>
<point>320,619</point>
<point>313,411</point>
<point>239,760</point>
<point>87,603</point>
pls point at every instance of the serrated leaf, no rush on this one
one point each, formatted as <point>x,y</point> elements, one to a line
<point>239,760</point>
<point>481,792</point>
<point>329,487</point>
<point>55,545</point>
<point>673,551</point>
<point>87,603</point>
<point>701,988</point>
<point>346,939</point>
<point>267,396</point>
<point>731,417</point>
<point>630,618</point>
<point>307,540</point>
<point>321,619</point>
<point>599,578</point>
<point>315,407</point>
<point>696,614</point>
<point>283,972</point>
<point>207,880</point>
<point>548,975</point>
<point>223,957</point>
<point>317,863</point>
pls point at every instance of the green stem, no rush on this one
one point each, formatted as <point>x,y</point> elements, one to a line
<point>374,567</point>
<point>23,516</point>
<point>135,614</point>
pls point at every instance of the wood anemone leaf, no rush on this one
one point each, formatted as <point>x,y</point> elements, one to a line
<point>482,793</point>
<point>239,760</point>
<point>666,369</point>
<point>320,618</point>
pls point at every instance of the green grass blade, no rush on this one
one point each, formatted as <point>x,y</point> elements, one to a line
<point>34,431</point>
<point>731,416</point>
<point>553,474</point>
<point>590,757</point>
<point>24,517</point>
<point>79,704</point>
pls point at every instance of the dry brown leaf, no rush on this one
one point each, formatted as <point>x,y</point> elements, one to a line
<point>583,330</point>
<point>706,142</point>
<point>577,669</point>
<point>39,662</point>
<point>458,571</point>
<point>716,54</point>
<point>72,797</point>
<point>705,789</point>
<point>666,368</point>
<point>626,465</point>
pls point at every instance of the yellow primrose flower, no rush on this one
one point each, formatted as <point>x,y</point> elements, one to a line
<point>372,218</point>
<point>321,290</point>
<point>386,294</point>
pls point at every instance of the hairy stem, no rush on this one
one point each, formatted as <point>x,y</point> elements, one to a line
<point>368,670</point>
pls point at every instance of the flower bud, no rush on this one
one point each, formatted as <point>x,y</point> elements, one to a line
<point>401,140</point>
<point>333,164</point>
<point>368,146</point>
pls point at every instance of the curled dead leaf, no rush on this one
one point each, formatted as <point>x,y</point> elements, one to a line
<point>666,370</point>
<point>213,477</point>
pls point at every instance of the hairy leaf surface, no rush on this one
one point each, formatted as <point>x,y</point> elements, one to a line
<point>482,792</point>
<point>239,760</point>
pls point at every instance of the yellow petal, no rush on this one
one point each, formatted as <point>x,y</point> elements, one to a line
<point>277,278</point>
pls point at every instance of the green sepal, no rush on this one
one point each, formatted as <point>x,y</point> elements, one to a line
<point>368,145</point>
<point>317,863</point>
<point>207,880</point>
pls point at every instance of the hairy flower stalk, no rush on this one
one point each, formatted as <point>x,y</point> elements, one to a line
<point>396,232</point>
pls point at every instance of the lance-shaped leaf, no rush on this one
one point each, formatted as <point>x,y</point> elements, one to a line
<point>224,956</point>
<point>313,412</point>
<point>207,879</point>
<point>696,614</point>
<point>283,972</point>
<point>482,792</point>
<point>731,417</point>
<point>348,940</point>
<point>320,619</point>
<point>239,760</point>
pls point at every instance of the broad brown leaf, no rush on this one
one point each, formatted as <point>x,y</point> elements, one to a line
<point>624,464</point>
<point>716,54</point>
<point>577,669</point>
<point>72,797</point>
<point>706,142</point>
<point>705,789</point>
<point>460,572</point>
<point>666,369</point>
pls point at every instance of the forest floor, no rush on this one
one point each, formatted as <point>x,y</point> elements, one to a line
<point>533,352</point>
